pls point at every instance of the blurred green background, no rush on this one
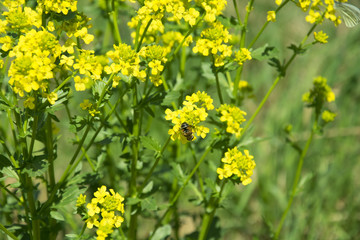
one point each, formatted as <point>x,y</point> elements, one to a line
<point>328,205</point>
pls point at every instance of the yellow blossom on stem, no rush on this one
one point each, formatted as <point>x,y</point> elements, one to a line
<point>52,97</point>
<point>242,55</point>
<point>193,113</point>
<point>328,116</point>
<point>271,16</point>
<point>85,104</point>
<point>29,103</point>
<point>35,56</point>
<point>321,37</point>
<point>88,64</point>
<point>104,211</point>
<point>212,42</point>
<point>237,166</point>
<point>233,117</point>
<point>80,83</point>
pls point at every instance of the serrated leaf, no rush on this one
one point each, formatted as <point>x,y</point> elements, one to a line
<point>207,71</point>
<point>56,215</point>
<point>149,204</point>
<point>212,184</point>
<point>162,232</point>
<point>4,162</point>
<point>171,97</point>
<point>264,52</point>
<point>178,172</point>
<point>150,143</point>
<point>69,196</point>
<point>148,187</point>
<point>37,166</point>
<point>9,172</point>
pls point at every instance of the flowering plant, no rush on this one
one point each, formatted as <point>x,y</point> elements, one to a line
<point>143,106</point>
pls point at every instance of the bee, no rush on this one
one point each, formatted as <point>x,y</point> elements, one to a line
<point>186,131</point>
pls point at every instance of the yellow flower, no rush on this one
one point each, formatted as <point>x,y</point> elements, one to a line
<point>52,97</point>
<point>233,117</point>
<point>237,165</point>
<point>242,55</point>
<point>80,83</point>
<point>328,116</point>
<point>29,103</point>
<point>213,41</point>
<point>321,37</point>
<point>86,104</point>
<point>271,16</point>
<point>193,113</point>
<point>278,2</point>
<point>104,211</point>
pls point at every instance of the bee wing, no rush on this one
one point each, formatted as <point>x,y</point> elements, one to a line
<point>349,13</point>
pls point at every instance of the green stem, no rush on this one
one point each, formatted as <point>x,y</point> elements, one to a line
<point>69,171</point>
<point>35,222</point>
<point>135,156</point>
<point>7,232</point>
<point>296,181</point>
<point>65,81</point>
<point>210,213</point>
<point>218,87</point>
<point>143,35</point>
<point>237,12</point>
<point>286,66</point>
<point>176,196</point>
<point>158,157</point>
<point>117,35</point>
<point>265,25</point>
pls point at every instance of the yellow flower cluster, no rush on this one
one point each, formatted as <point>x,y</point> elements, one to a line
<point>156,10</point>
<point>155,56</point>
<point>172,38</point>
<point>89,65</point>
<point>237,164</point>
<point>63,6</point>
<point>103,211</point>
<point>242,55</point>
<point>328,116</point>
<point>126,61</point>
<point>271,16</point>
<point>213,8</point>
<point>233,117</point>
<point>34,61</point>
<point>316,15</point>
<point>87,105</point>
<point>193,113</point>
<point>321,37</point>
<point>18,19</point>
<point>320,93</point>
<point>76,26</point>
<point>212,42</point>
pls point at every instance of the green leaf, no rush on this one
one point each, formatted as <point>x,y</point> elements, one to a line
<point>10,173</point>
<point>264,52</point>
<point>148,187</point>
<point>4,162</point>
<point>56,215</point>
<point>132,201</point>
<point>150,143</point>
<point>149,204</point>
<point>171,97</point>
<point>162,232</point>
<point>212,184</point>
<point>37,166</point>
